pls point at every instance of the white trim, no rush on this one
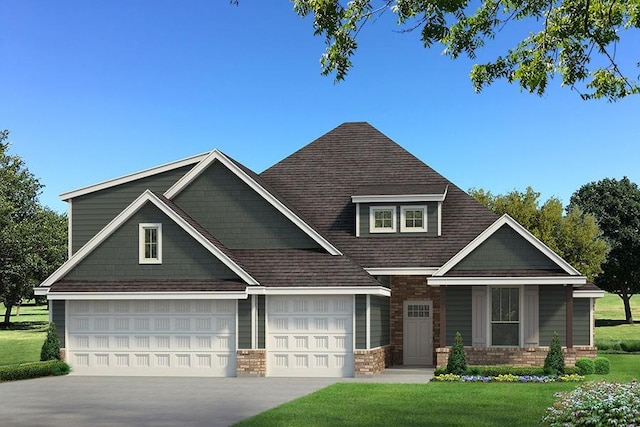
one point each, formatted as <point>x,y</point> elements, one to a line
<point>69,230</point>
<point>577,293</point>
<point>66,329</point>
<point>133,176</point>
<point>403,225</point>
<point>401,271</point>
<point>142,227</point>
<point>504,281</point>
<point>400,198</point>
<point>50,310</point>
<point>146,295</point>
<point>127,213</point>
<point>506,219</point>
<point>357,219</point>
<point>591,321</point>
<point>216,155</point>
<point>372,219</point>
<point>439,218</point>
<point>367,321</point>
<point>329,290</point>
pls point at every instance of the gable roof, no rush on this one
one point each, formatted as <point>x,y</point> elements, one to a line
<point>176,215</point>
<point>321,178</point>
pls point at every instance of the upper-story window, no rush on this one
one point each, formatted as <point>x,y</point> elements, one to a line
<point>150,249</point>
<point>382,219</point>
<point>413,219</point>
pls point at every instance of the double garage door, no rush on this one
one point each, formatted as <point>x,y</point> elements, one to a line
<point>310,336</point>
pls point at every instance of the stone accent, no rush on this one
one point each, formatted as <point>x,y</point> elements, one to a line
<point>369,362</point>
<point>411,288</point>
<point>251,363</point>
<point>532,356</point>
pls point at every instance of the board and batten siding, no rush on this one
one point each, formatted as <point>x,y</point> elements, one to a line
<point>432,219</point>
<point>458,314</point>
<point>361,322</point>
<point>238,216</point>
<point>581,321</point>
<point>117,257</point>
<point>58,316</point>
<point>244,324</point>
<point>91,212</point>
<point>380,321</point>
<point>552,313</point>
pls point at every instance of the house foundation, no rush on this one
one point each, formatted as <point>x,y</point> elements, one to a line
<point>369,362</point>
<point>533,356</point>
<point>251,363</point>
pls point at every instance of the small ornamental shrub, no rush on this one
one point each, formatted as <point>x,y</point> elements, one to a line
<point>33,370</point>
<point>554,362</point>
<point>630,346</point>
<point>596,404</point>
<point>586,366</point>
<point>457,362</point>
<point>51,347</point>
<point>601,365</point>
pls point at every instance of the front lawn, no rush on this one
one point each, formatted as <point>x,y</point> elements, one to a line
<point>610,320</point>
<point>22,342</point>
<point>441,404</point>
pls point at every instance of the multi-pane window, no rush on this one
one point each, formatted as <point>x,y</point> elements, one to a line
<point>150,244</point>
<point>414,219</point>
<point>383,219</point>
<point>417,310</point>
<point>505,316</point>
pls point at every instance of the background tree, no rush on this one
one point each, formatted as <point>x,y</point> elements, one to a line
<point>32,238</point>
<point>616,206</point>
<point>575,39</point>
<point>574,236</point>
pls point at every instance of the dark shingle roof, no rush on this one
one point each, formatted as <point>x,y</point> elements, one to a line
<point>148,286</point>
<point>320,179</point>
<point>506,273</point>
<point>399,189</point>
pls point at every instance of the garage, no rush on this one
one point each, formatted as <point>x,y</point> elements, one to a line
<point>310,336</point>
<point>152,337</point>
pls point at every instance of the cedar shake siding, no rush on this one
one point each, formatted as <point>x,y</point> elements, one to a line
<point>432,220</point>
<point>182,257</point>
<point>238,216</point>
<point>459,314</point>
<point>91,212</point>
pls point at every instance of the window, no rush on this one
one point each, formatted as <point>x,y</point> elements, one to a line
<point>382,219</point>
<point>413,219</point>
<point>418,310</point>
<point>505,316</point>
<point>150,244</point>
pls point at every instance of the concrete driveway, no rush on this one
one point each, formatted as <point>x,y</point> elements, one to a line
<point>146,401</point>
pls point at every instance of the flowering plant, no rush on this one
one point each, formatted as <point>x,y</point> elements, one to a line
<point>508,378</point>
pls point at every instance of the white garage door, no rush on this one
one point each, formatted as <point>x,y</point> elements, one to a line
<point>310,336</point>
<point>162,337</point>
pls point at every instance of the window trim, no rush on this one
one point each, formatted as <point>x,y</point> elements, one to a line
<point>490,320</point>
<point>141,243</point>
<point>403,225</point>
<point>372,218</point>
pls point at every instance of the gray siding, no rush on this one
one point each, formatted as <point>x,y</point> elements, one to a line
<point>458,314</point>
<point>581,321</point>
<point>261,321</point>
<point>432,219</point>
<point>552,313</point>
<point>182,257</point>
<point>238,216</point>
<point>361,322</point>
<point>506,250</point>
<point>380,321</point>
<point>58,317</point>
<point>91,212</point>
<point>244,323</point>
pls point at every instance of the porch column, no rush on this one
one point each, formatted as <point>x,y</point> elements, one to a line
<point>569,320</point>
<point>443,316</point>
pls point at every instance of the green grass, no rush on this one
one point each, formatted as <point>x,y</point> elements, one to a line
<point>610,320</point>
<point>23,341</point>
<point>431,404</point>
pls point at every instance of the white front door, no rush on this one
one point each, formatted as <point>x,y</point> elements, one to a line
<point>418,333</point>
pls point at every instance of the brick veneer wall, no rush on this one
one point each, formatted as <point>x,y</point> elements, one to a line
<point>533,356</point>
<point>251,363</point>
<point>411,288</point>
<point>369,362</point>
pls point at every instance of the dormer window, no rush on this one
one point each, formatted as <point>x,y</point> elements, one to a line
<point>382,219</point>
<point>413,219</point>
<point>150,244</point>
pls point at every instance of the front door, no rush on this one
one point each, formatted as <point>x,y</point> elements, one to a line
<point>418,333</point>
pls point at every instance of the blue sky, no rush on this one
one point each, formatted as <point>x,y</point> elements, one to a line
<point>94,90</point>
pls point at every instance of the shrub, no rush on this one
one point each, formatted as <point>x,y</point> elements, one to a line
<point>554,362</point>
<point>570,370</point>
<point>598,404</point>
<point>630,346</point>
<point>51,347</point>
<point>457,362</point>
<point>440,371</point>
<point>601,365</point>
<point>33,370</point>
<point>586,366</point>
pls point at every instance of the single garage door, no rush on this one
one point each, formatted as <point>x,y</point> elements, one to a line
<point>310,336</point>
<point>162,337</point>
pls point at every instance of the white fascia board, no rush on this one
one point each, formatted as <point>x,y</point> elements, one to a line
<point>401,271</point>
<point>183,182</point>
<point>145,295</point>
<point>329,290</point>
<point>504,281</point>
<point>69,228</point>
<point>133,176</point>
<point>506,219</point>
<point>40,291</point>
<point>127,213</point>
<point>577,293</point>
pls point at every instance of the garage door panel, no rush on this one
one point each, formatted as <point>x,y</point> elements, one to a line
<point>181,338</point>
